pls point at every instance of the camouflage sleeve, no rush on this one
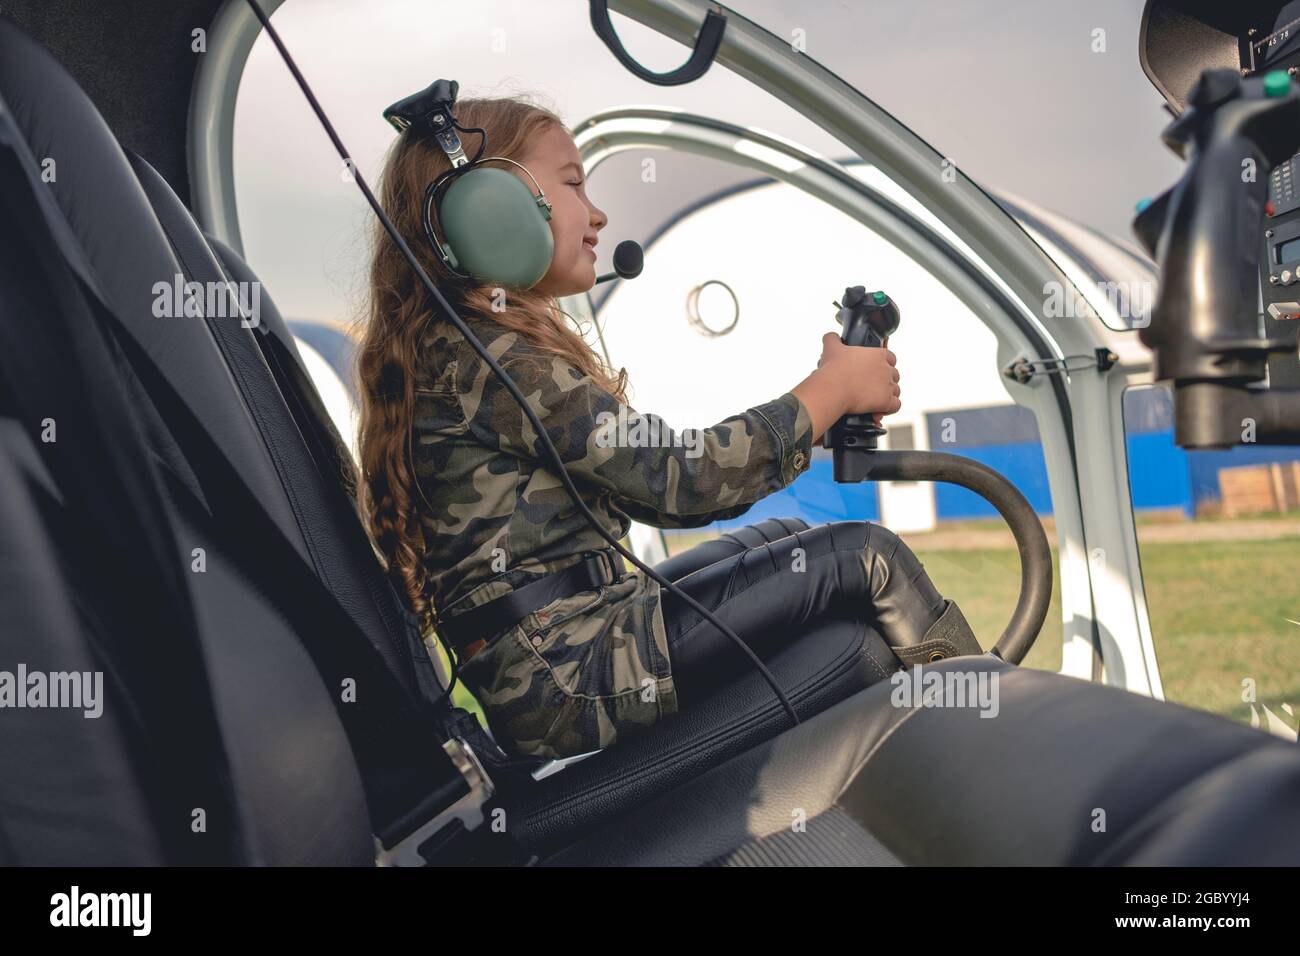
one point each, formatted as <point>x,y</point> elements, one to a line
<point>658,476</point>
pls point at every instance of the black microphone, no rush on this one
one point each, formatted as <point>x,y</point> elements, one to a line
<point>628,260</point>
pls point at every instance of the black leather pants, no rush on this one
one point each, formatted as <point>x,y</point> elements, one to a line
<point>771,581</point>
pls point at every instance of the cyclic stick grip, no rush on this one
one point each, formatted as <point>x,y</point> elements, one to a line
<point>866,319</point>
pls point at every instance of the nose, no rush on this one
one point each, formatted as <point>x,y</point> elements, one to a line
<point>599,219</point>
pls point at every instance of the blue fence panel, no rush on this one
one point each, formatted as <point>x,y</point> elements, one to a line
<point>815,497</point>
<point>1020,463</point>
<point>1157,472</point>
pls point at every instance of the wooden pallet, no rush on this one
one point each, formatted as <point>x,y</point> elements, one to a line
<point>1252,489</point>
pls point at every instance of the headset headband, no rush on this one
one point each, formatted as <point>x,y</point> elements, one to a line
<point>431,107</point>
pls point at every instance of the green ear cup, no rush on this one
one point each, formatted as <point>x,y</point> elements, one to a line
<point>495,228</point>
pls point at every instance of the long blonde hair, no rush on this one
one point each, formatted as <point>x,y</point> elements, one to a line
<point>399,313</point>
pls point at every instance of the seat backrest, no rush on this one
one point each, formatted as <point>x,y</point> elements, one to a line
<point>60,766</point>
<point>314,470</point>
<point>251,550</point>
<point>305,451</point>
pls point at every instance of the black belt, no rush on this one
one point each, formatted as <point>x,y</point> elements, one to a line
<point>500,614</point>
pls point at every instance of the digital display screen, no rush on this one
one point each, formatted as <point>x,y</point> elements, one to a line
<point>1288,252</point>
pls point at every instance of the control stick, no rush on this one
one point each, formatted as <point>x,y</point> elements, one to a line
<point>865,320</point>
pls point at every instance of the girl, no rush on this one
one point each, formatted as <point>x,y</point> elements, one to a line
<point>466,511</point>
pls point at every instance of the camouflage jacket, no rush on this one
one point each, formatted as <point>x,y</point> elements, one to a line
<point>584,670</point>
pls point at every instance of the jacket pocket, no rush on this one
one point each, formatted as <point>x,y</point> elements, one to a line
<point>545,632</point>
<point>604,662</point>
<point>518,693</point>
<point>602,645</point>
<point>572,678</point>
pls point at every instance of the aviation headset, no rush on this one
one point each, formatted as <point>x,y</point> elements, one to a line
<point>507,204</point>
<point>494,229</point>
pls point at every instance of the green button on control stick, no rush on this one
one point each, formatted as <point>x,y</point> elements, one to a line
<point>1277,83</point>
<point>879,297</point>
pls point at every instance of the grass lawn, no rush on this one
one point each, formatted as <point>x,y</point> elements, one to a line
<point>1219,614</point>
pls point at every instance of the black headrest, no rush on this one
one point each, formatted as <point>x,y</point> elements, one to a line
<point>86,170</point>
<point>115,226</point>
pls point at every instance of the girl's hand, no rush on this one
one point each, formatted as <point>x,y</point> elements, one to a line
<point>850,380</point>
<point>866,379</point>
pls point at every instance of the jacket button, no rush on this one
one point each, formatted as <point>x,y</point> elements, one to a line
<point>537,640</point>
<point>799,460</point>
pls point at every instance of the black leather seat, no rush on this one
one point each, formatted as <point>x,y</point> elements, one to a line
<point>1067,773</point>
<point>198,659</point>
<point>821,668</point>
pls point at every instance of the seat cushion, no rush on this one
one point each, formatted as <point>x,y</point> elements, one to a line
<point>822,667</point>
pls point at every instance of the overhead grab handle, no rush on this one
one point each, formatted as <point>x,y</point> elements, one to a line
<point>706,47</point>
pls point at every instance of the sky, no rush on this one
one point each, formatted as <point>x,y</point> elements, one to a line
<point>1044,99</point>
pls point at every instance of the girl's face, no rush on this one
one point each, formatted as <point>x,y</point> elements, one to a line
<point>575,220</point>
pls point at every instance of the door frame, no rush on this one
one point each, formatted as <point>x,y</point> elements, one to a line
<point>1111,641</point>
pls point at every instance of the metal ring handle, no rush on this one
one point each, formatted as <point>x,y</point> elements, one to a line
<point>693,309</point>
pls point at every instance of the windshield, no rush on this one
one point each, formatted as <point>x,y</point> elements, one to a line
<point>304,225</point>
<point>972,79</point>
